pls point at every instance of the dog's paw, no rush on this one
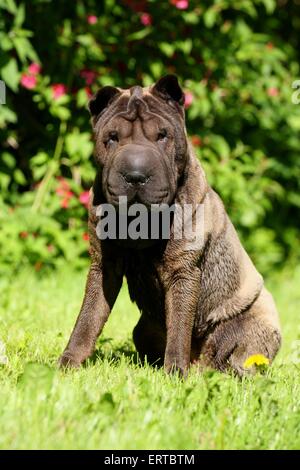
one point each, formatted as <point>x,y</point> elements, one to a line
<point>67,360</point>
<point>176,369</point>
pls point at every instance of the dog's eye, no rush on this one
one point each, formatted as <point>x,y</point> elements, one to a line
<point>162,135</point>
<point>112,137</point>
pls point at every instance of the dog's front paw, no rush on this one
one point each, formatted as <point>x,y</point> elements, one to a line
<point>67,360</point>
<point>173,367</point>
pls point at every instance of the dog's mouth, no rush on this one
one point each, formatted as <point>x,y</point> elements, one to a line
<point>137,196</point>
<point>138,224</point>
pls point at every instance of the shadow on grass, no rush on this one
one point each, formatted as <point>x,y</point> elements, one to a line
<point>115,354</point>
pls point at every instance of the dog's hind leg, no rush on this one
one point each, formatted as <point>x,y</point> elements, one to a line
<point>232,341</point>
<point>150,340</point>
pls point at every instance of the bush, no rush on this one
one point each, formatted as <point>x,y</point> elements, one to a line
<point>237,62</point>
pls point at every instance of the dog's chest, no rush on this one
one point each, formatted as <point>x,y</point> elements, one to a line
<point>144,285</point>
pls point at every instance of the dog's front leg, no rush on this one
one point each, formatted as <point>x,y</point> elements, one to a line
<point>181,304</point>
<point>100,294</point>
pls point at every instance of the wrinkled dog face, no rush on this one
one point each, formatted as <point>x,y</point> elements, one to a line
<point>141,142</point>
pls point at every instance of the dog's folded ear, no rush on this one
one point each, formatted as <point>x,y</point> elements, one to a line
<point>168,88</point>
<point>101,99</point>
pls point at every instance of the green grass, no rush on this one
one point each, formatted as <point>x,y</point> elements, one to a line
<point>113,403</point>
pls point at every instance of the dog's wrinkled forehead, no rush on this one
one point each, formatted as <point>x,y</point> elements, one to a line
<point>163,99</point>
<point>132,104</point>
<point>137,105</point>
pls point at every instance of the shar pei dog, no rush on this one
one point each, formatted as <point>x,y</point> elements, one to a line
<point>201,302</point>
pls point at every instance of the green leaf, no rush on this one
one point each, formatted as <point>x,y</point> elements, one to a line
<point>270,5</point>
<point>10,6</point>
<point>78,145</point>
<point>82,99</point>
<point>4,181</point>
<point>10,74</point>
<point>61,112</point>
<point>210,17</point>
<point>219,144</point>
<point>39,159</point>
<point>294,122</point>
<point>6,116</point>
<point>85,39</point>
<point>6,42</point>
<point>167,48</point>
<point>24,49</point>
<point>294,199</point>
<point>20,16</point>
<point>156,69</point>
<point>185,46</point>
<point>8,159</point>
<point>190,17</point>
<point>138,35</point>
<point>19,177</point>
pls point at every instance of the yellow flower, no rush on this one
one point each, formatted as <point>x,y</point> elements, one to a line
<point>257,359</point>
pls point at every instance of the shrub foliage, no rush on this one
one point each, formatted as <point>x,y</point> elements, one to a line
<point>237,61</point>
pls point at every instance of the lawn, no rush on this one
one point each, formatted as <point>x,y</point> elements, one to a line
<point>113,402</point>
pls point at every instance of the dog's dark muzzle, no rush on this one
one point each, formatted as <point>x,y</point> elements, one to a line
<point>138,172</point>
<point>136,164</point>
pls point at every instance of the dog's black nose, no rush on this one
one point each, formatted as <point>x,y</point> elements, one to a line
<point>135,177</point>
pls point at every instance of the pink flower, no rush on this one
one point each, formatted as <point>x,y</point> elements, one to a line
<point>180,4</point>
<point>188,99</point>
<point>146,19</point>
<point>92,19</point>
<point>28,81</point>
<point>58,90</point>
<point>88,75</point>
<point>84,198</point>
<point>272,91</point>
<point>34,68</point>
